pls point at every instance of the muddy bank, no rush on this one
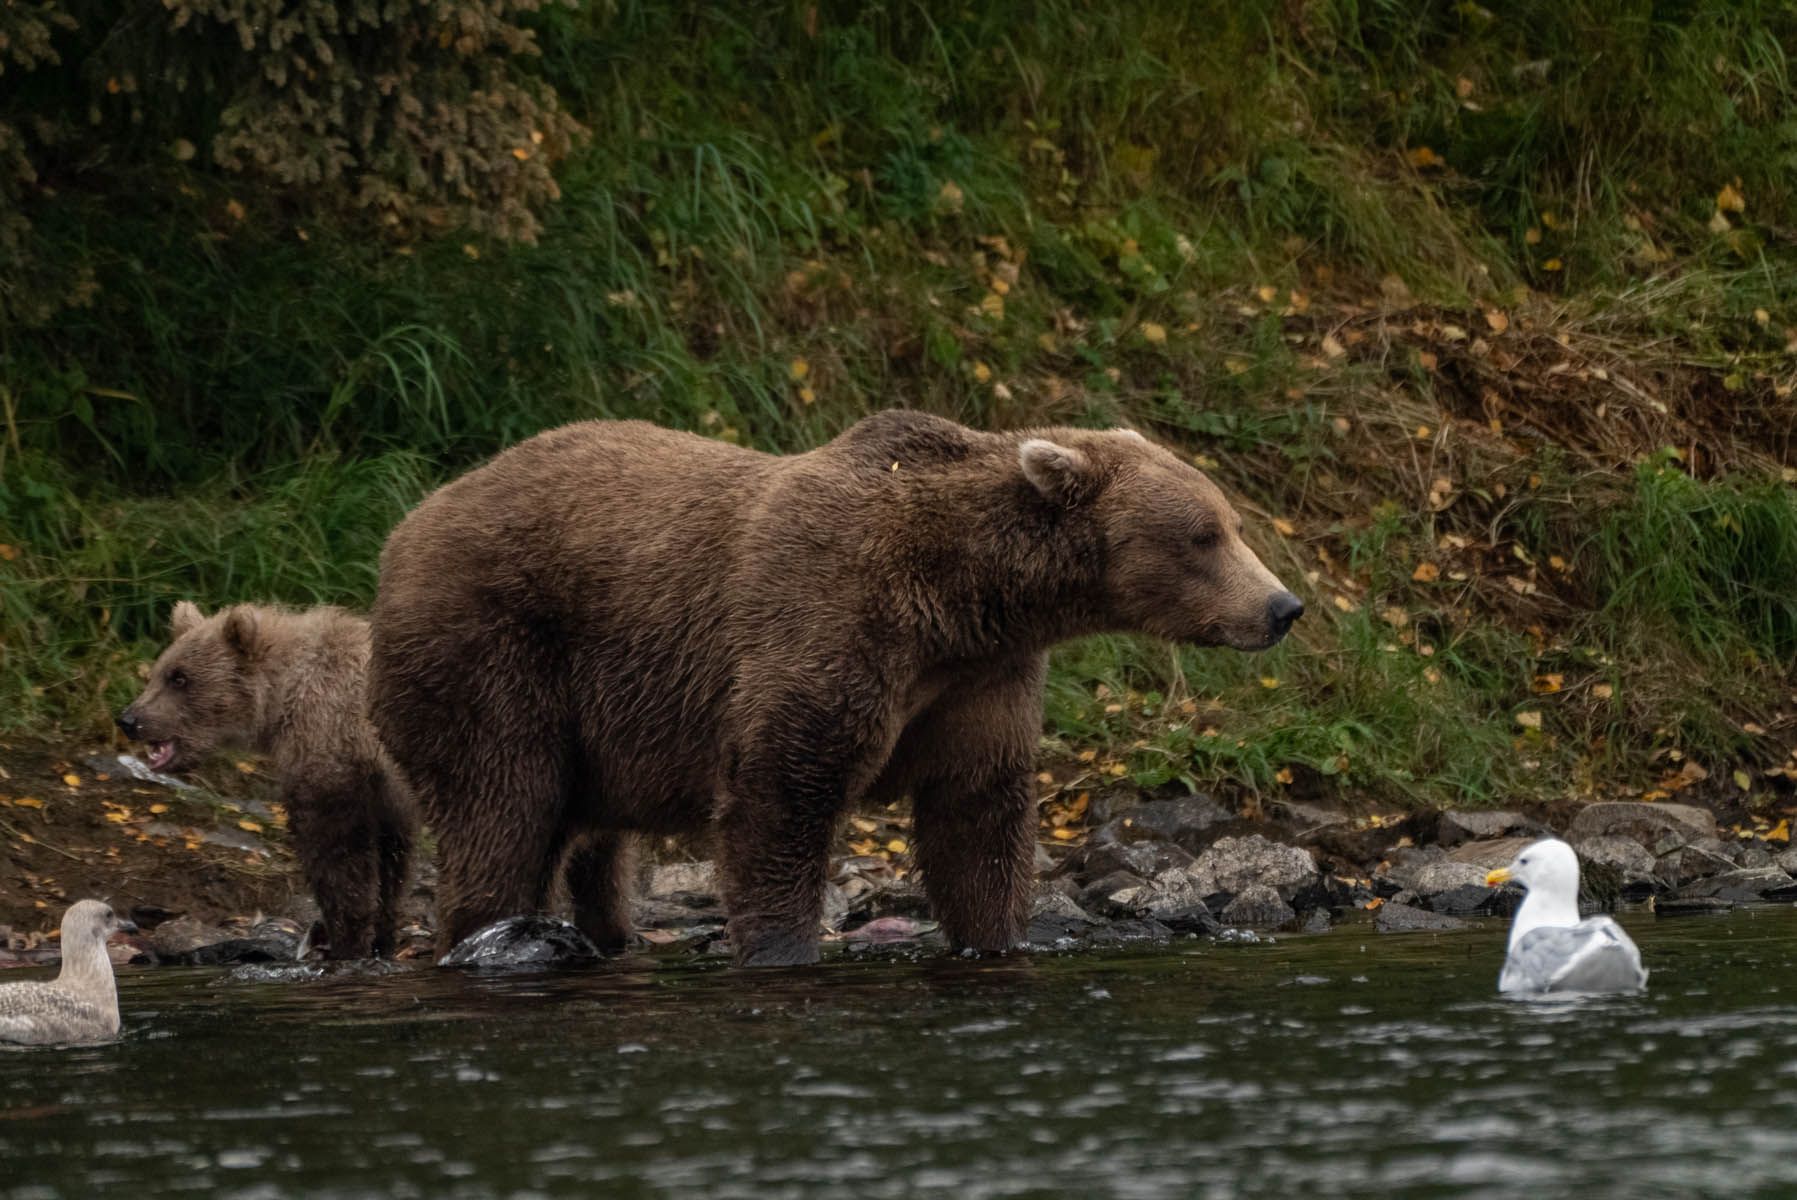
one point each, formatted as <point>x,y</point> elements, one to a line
<point>205,871</point>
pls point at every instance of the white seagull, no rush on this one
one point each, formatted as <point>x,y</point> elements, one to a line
<point>81,1004</point>
<point>1551,950</point>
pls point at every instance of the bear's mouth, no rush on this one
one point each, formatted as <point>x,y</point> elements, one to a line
<point>160,754</point>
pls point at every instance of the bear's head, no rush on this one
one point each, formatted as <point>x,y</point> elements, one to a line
<point>1173,561</point>
<point>202,691</point>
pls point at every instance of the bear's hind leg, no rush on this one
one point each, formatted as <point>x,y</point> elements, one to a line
<point>333,836</point>
<point>396,831</point>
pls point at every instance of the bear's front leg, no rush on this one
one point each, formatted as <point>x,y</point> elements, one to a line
<point>976,851</point>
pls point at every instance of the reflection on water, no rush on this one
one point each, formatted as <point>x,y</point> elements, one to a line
<point>1347,1064</point>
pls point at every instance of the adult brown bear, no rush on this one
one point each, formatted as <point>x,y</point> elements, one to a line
<point>614,628</point>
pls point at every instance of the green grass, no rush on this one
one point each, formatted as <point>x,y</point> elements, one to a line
<point>992,212</point>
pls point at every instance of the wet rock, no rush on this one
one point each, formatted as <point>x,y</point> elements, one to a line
<point>675,913</point>
<point>1753,856</point>
<point>1648,824</point>
<point>1787,861</point>
<point>1114,895</point>
<point>1437,877</point>
<point>1045,862</point>
<point>671,880</point>
<point>1177,900</point>
<point>1055,917</point>
<point>529,943</point>
<point>1693,907</point>
<point>1743,886</point>
<point>1628,858</point>
<point>1233,864</point>
<point>899,898</point>
<point>1182,821</point>
<point>1306,818</point>
<point>276,940</point>
<point>1393,917</point>
<point>1490,855</point>
<point>1476,900</point>
<point>183,934</point>
<point>1698,859</point>
<point>1456,828</point>
<point>1258,906</point>
<point>1146,859</point>
<point>1130,930</point>
<point>1316,922</point>
<point>835,907</point>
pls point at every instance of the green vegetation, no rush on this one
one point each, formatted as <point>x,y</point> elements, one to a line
<point>1489,308</point>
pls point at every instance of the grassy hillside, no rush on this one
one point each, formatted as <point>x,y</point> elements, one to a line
<point>1485,314</point>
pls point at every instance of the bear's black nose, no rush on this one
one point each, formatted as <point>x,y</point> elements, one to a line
<point>1282,610</point>
<point>128,724</point>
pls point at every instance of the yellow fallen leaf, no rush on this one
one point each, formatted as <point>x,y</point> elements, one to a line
<point>72,780</point>
<point>896,846</point>
<point>248,768</point>
<point>1087,756</point>
<point>28,802</point>
<point>1780,832</point>
<point>1283,775</point>
<point>1343,603</point>
<point>235,209</point>
<point>1602,691</point>
<point>1422,158</point>
<point>1153,334</point>
<point>1332,346</point>
<point>1532,236</point>
<point>982,372</point>
<point>863,824</point>
<point>1423,432</point>
<point>1497,320</point>
<point>1547,685</point>
<point>158,809</point>
<point>119,816</point>
<point>1730,199</point>
<point>798,368</point>
<point>1553,264</point>
<point>1743,780</point>
<point>1375,902</point>
<point>520,153</point>
<point>1426,572</point>
<point>1267,293</point>
<point>993,305</point>
<point>8,552</point>
<point>950,197</point>
<point>1529,720</point>
<point>249,826</point>
<point>1063,834</point>
<point>1284,527</point>
<point>1269,681</point>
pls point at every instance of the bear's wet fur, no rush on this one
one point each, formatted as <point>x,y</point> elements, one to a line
<point>292,685</point>
<point>613,629</point>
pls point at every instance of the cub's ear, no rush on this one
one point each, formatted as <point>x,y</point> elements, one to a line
<point>186,617</point>
<point>243,632</point>
<point>1060,473</point>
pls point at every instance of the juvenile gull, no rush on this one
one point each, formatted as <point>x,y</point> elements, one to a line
<point>81,1004</point>
<point>1551,950</point>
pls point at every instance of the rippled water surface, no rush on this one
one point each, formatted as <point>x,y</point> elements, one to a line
<point>1345,1064</point>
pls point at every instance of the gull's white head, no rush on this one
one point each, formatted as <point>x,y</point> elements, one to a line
<point>1550,871</point>
<point>1549,867</point>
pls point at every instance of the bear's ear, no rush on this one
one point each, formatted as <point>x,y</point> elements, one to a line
<point>1060,473</point>
<point>186,617</point>
<point>243,632</point>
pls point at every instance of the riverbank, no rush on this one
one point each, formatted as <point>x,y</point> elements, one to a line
<point>206,872</point>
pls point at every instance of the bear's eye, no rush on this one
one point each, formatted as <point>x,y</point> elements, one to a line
<point>1205,539</point>
<point>177,679</point>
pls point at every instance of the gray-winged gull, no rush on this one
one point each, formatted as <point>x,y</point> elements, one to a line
<point>1551,950</point>
<point>81,1004</point>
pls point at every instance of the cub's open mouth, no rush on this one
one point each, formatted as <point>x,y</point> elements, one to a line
<point>160,755</point>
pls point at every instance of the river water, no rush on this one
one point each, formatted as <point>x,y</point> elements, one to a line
<point>1345,1064</point>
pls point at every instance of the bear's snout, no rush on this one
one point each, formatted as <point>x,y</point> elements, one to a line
<point>128,724</point>
<point>1282,610</point>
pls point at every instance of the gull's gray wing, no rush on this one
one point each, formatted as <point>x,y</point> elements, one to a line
<point>1593,956</point>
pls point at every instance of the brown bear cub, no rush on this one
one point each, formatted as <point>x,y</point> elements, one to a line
<point>292,685</point>
<point>613,628</point>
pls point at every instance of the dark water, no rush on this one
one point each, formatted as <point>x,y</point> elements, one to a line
<point>1349,1064</point>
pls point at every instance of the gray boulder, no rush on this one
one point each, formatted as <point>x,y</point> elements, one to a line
<point>1235,863</point>
<point>1648,824</point>
<point>1393,917</point>
<point>1456,828</point>
<point>1258,906</point>
<point>1629,859</point>
<point>1744,885</point>
<point>683,879</point>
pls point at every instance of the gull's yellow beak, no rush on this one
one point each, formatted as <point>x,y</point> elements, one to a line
<point>1501,875</point>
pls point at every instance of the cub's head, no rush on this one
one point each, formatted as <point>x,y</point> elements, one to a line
<point>201,695</point>
<point>1175,564</point>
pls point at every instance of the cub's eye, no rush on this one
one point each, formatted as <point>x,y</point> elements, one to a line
<point>1205,540</point>
<point>177,679</point>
